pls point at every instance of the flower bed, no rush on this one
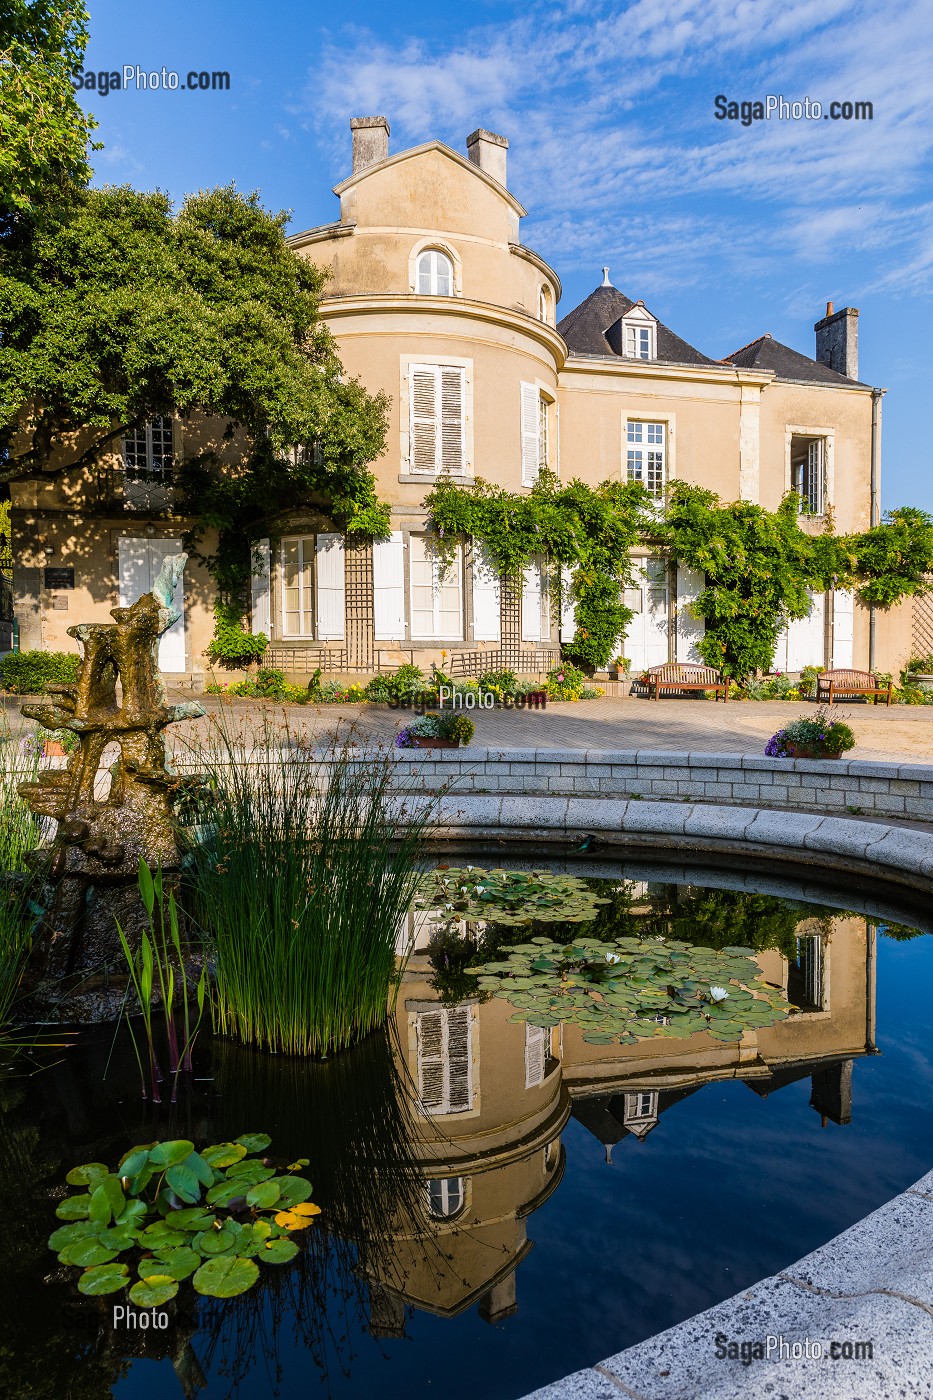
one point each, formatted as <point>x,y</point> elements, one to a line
<point>434,730</point>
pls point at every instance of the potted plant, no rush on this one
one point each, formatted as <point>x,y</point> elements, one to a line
<point>919,672</point>
<point>817,736</point>
<point>619,667</point>
<point>436,731</point>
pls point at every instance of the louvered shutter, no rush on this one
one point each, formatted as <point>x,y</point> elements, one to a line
<point>690,584</point>
<point>843,627</point>
<point>430,1035</point>
<point>260,604</point>
<point>329,552</point>
<point>424,427</point>
<point>451,416</point>
<point>530,427</point>
<point>486,596</point>
<point>389,588</point>
<point>531,602</point>
<point>568,608</point>
<point>535,1055</point>
<point>459,1059</point>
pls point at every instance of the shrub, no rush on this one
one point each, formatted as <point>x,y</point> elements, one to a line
<point>461,728</point>
<point>230,645</point>
<point>564,682</point>
<point>20,836</point>
<point>407,681</point>
<point>591,692</point>
<point>32,672</point>
<point>920,664</point>
<point>499,682</point>
<point>300,886</point>
<point>807,682</point>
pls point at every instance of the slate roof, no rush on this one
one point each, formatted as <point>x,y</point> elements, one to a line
<point>768,353</point>
<point>584,329</point>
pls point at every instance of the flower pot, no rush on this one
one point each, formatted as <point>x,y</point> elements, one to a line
<point>53,749</point>
<point>807,751</point>
<point>423,742</point>
<point>921,679</point>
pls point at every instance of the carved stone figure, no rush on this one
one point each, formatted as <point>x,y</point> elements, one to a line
<point>114,801</point>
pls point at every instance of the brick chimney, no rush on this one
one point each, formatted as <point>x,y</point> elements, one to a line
<point>370,141</point>
<point>488,151</point>
<point>837,340</point>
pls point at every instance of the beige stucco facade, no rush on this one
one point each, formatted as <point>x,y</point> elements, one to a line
<point>433,299</point>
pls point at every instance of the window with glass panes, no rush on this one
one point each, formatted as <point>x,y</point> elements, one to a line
<point>436,593</point>
<point>147,451</point>
<point>298,586</point>
<point>646,455</point>
<point>808,471</point>
<point>638,342</point>
<point>445,1196</point>
<point>435,274</point>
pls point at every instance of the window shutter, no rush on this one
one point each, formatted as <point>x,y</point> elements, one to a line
<point>330,586</point>
<point>445,1072</point>
<point>430,1033</point>
<point>690,584</point>
<point>486,596</point>
<point>535,1055</point>
<point>451,415</point>
<point>843,627</point>
<point>568,608</point>
<point>459,1067</point>
<point>530,425</point>
<point>260,609</point>
<point>815,476</point>
<point>424,429</point>
<point>531,602</point>
<point>389,588</point>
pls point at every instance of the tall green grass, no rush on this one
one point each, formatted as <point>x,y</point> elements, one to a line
<point>300,884</point>
<point>20,835</point>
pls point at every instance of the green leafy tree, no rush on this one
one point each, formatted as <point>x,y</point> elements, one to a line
<point>893,560</point>
<point>44,133</point>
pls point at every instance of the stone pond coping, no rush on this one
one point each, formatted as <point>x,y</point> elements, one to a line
<point>874,1282</point>
<point>903,790</point>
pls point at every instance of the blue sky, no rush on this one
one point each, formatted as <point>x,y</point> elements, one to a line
<point>725,231</point>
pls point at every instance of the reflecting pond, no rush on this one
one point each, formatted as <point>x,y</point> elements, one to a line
<point>504,1201</point>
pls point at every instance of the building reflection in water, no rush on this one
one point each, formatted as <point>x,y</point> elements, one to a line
<point>492,1096</point>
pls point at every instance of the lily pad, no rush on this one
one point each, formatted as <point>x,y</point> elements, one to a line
<point>87,1175</point>
<point>277,1252</point>
<point>74,1208</point>
<point>107,1278</point>
<point>226,1276</point>
<point>263,1195</point>
<point>169,1154</point>
<point>184,1182</point>
<point>153,1291</point>
<point>254,1142</point>
<point>212,1242</point>
<point>224,1154</point>
<point>177,1263</point>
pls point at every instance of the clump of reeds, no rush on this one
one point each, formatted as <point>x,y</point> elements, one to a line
<point>152,968</point>
<point>20,836</point>
<point>301,881</point>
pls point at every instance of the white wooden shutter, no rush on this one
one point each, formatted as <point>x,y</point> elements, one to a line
<point>389,588</point>
<point>445,1069</point>
<point>532,599</point>
<point>806,636</point>
<point>568,608</point>
<point>843,627</point>
<point>329,561</point>
<point>530,427</point>
<point>424,427</point>
<point>535,1055</point>
<point>451,455</point>
<point>260,597</point>
<point>486,596</point>
<point>690,584</point>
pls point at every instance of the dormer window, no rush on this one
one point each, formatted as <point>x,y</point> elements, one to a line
<point>435,274</point>
<point>635,335</point>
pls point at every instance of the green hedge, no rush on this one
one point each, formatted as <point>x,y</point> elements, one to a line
<point>31,672</point>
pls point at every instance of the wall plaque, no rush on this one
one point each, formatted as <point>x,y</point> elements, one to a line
<point>59,578</point>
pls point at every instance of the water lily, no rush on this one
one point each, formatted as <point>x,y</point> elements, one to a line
<point>613,958</point>
<point>718,993</point>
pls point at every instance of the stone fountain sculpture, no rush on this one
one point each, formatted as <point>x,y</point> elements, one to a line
<point>114,801</point>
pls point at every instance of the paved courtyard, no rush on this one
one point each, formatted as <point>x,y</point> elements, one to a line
<point>902,732</point>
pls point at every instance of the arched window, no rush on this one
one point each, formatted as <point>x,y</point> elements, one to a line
<point>435,274</point>
<point>544,305</point>
<point>445,1196</point>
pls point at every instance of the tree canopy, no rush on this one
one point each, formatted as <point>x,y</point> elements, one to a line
<point>44,133</point>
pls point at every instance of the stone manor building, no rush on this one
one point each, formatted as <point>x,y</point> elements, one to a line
<point>434,298</point>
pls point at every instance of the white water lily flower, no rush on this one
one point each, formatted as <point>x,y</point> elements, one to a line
<point>470,867</point>
<point>448,906</point>
<point>613,958</point>
<point>480,889</point>
<point>718,993</point>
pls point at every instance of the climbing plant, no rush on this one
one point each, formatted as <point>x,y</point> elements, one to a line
<point>586,532</point>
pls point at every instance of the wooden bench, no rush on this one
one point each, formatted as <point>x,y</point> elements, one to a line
<point>679,676</point>
<point>831,684</point>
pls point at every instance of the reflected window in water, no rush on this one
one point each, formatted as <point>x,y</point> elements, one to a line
<point>445,1058</point>
<point>805,976</point>
<point>535,1055</point>
<point>446,1196</point>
